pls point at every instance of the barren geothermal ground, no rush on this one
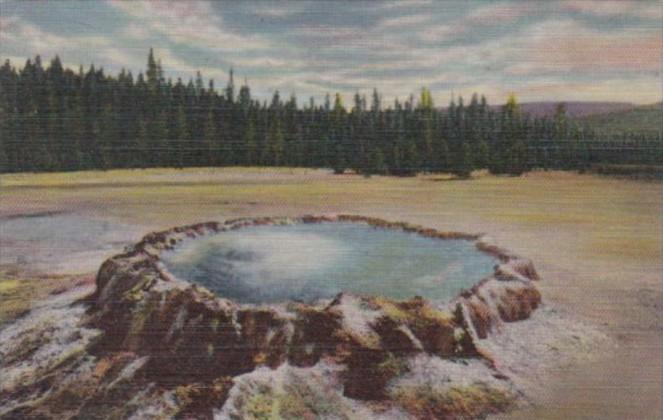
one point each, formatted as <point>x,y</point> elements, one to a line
<point>593,350</point>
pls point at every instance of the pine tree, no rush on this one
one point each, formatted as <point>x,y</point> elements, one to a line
<point>396,166</point>
<point>482,155</point>
<point>152,72</point>
<point>462,162</point>
<point>376,162</point>
<point>442,158</point>
<point>339,162</point>
<point>210,137</point>
<point>73,160</point>
<point>141,149</point>
<point>182,137</point>
<point>425,109</point>
<point>509,155</point>
<point>339,158</point>
<point>517,159</point>
<point>108,134</point>
<point>411,159</point>
<point>5,138</point>
<point>230,88</point>
<point>41,158</point>
<point>275,143</point>
<point>244,98</point>
<point>249,141</point>
<point>157,130</point>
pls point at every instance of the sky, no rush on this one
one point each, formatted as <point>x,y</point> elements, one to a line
<point>539,50</point>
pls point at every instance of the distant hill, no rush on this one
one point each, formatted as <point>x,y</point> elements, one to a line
<point>574,109</point>
<point>639,118</point>
<point>603,116</point>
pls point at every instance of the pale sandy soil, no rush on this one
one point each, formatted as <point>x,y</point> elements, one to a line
<point>597,243</point>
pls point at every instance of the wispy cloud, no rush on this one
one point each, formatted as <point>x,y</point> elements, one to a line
<point>275,10</point>
<point>193,23</point>
<point>480,18</point>
<point>400,4</point>
<point>500,13</point>
<point>17,34</point>
<point>567,46</point>
<point>621,8</point>
<point>405,21</point>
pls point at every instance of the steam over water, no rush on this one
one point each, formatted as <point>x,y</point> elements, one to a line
<point>310,261</point>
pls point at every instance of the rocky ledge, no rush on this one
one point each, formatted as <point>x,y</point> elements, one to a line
<point>165,347</point>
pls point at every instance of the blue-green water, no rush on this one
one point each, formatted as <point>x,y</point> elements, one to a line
<point>310,261</point>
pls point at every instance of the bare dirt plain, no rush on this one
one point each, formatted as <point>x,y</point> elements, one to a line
<point>597,243</point>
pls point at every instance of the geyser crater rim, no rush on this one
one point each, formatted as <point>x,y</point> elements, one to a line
<point>154,244</point>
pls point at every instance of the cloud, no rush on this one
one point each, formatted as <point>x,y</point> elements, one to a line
<point>19,35</point>
<point>559,46</point>
<point>400,4</point>
<point>609,9</point>
<point>407,20</point>
<point>277,11</point>
<point>565,49</point>
<point>329,34</point>
<point>103,51</point>
<point>178,67</point>
<point>15,31</point>
<point>442,32</point>
<point>192,23</point>
<point>571,48</point>
<point>481,18</point>
<point>267,62</point>
<point>136,31</point>
<point>6,23</point>
<point>499,13</point>
<point>567,46</point>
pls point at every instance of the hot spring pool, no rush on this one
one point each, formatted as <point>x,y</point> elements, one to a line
<point>305,262</point>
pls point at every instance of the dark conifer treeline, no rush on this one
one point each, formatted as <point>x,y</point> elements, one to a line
<point>54,119</point>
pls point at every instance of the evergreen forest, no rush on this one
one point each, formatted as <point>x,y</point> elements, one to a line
<point>56,119</point>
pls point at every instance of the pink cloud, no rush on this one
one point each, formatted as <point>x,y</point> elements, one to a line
<point>499,13</point>
<point>614,8</point>
<point>561,46</point>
